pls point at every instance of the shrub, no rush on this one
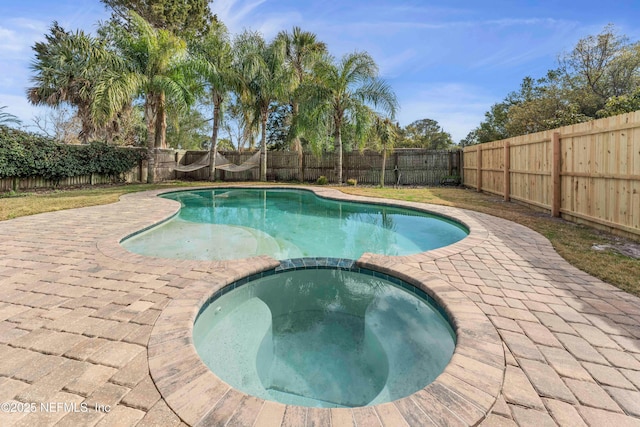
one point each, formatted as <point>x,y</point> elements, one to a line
<point>450,180</point>
<point>24,154</point>
<point>352,181</point>
<point>322,180</point>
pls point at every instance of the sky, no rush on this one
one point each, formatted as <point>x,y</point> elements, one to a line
<point>447,60</point>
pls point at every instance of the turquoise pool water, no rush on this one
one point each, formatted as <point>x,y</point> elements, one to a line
<point>324,338</point>
<point>226,224</point>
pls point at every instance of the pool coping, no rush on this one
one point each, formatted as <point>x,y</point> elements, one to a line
<point>464,393</point>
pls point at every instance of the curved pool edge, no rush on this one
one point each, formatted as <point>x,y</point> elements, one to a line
<point>464,393</point>
<point>158,210</point>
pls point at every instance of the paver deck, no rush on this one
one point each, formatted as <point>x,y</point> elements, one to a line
<point>93,335</point>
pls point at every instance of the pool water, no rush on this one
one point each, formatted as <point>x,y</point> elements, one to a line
<point>324,338</point>
<point>226,224</point>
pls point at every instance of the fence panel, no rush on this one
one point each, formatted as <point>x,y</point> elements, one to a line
<point>415,166</point>
<point>599,171</point>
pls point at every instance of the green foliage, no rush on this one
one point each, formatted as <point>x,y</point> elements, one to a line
<point>188,130</point>
<point>341,94</point>
<point>278,126</point>
<point>353,182</point>
<point>599,77</point>
<point>65,70</point>
<point>267,78</point>
<point>621,104</point>
<point>25,155</point>
<point>187,18</point>
<point>6,118</point>
<point>151,62</point>
<point>322,180</point>
<point>425,133</point>
<point>451,180</point>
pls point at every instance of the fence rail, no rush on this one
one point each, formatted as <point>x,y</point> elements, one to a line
<point>587,172</point>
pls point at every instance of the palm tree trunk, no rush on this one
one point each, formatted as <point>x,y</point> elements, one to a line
<point>297,144</point>
<point>151,161</point>
<point>87,126</point>
<point>339,144</point>
<point>384,164</point>
<point>161,122</point>
<point>214,137</point>
<point>263,157</point>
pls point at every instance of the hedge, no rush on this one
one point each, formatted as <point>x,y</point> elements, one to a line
<point>24,154</point>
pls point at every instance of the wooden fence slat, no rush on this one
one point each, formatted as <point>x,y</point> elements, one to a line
<point>555,176</point>
<point>587,172</point>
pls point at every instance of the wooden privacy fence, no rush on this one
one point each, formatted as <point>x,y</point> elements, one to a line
<point>415,166</point>
<point>137,174</point>
<point>587,172</point>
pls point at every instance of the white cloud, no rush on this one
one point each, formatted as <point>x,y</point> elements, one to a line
<point>395,64</point>
<point>234,13</point>
<point>17,37</point>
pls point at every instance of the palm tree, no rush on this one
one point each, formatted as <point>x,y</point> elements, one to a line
<point>66,67</point>
<point>303,52</point>
<point>384,134</point>
<point>220,77</point>
<point>153,64</point>
<point>6,118</point>
<point>267,78</point>
<point>340,96</point>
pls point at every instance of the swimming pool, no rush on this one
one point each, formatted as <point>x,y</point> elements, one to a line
<point>324,337</point>
<point>222,224</point>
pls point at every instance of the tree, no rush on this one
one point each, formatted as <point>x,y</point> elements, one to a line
<point>267,78</point>
<point>188,129</point>
<point>61,124</point>
<point>279,126</point>
<point>241,127</point>
<point>621,104</point>
<point>66,67</point>
<point>600,67</point>
<point>186,18</point>
<point>384,134</point>
<point>303,51</point>
<point>154,65</point>
<point>219,75</point>
<point>598,77</point>
<point>339,95</point>
<point>470,139</point>
<point>426,133</point>
<point>7,118</point>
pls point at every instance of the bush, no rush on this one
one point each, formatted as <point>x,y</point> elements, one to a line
<point>24,154</point>
<point>322,180</point>
<point>352,181</point>
<point>450,180</point>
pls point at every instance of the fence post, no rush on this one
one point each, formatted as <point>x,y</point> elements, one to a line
<point>479,169</point>
<point>555,176</point>
<point>507,171</point>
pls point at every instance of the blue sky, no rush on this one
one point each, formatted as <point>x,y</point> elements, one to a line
<point>446,60</point>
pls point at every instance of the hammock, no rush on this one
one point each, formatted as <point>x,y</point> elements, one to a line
<point>221,163</point>
<point>226,165</point>
<point>202,162</point>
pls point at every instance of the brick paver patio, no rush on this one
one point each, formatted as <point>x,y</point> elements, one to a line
<point>93,335</point>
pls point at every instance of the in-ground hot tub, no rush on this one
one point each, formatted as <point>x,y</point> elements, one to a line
<point>325,336</point>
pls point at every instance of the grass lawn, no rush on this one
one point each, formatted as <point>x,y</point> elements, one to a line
<point>573,242</point>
